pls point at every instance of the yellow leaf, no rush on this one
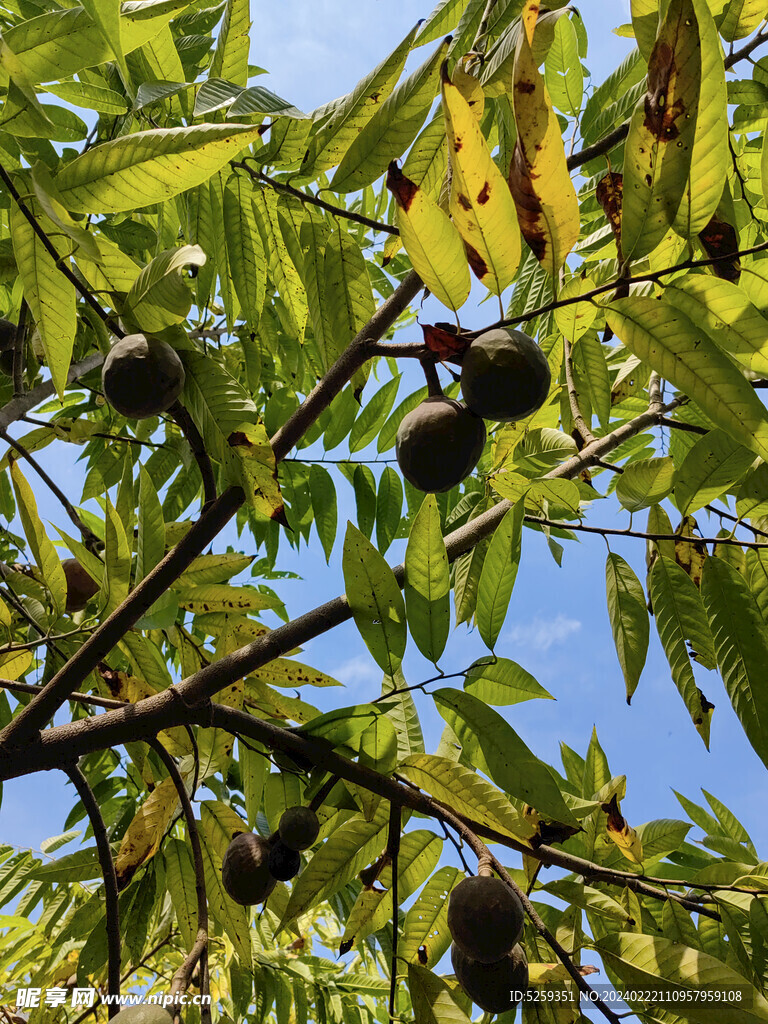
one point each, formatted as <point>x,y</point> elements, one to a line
<point>529,16</point>
<point>658,150</point>
<point>432,242</point>
<point>40,544</point>
<point>480,203</point>
<point>622,834</point>
<point>144,834</point>
<point>742,18</point>
<point>541,186</point>
<point>14,664</point>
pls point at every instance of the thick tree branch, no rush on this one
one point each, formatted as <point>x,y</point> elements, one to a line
<point>107,865</point>
<point>199,951</point>
<point>212,520</point>
<point>20,405</point>
<point>60,261</point>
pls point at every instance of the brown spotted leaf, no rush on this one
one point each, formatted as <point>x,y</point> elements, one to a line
<point>480,203</point>
<point>256,463</point>
<point>444,342</point>
<point>547,207</point>
<point>719,239</point>
<point>690,553</point>
<point>609,194</point>
<point>657,159</point>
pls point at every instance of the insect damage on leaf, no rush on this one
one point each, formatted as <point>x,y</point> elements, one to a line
<point>402,188</point>
<point>609,194</point>
<point>720,241</point>
<point>444,341</point>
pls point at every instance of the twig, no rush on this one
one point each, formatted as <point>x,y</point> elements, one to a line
<point>605,531</point>
<point>107,865</point>
<point>393,851</point>
<point>579,422</point>
<point>199,951</point>
<point>82,698</point>
<point>19,406</point>
<point>313,200</point>
<point>89,537</point>
<point>60,262</point>
<point>195,441</point>
<point>18,351</point>
<point>692,428</point>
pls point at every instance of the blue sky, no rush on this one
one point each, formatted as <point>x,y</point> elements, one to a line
<point>557,626</point>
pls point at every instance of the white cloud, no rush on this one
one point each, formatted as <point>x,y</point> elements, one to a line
<point>541,634</point>
<point>356,672</point>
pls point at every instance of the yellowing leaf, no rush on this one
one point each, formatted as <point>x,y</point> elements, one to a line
<point>622,833</point>
<point>541,186</point>
<point>256,462</point>
<point>480,203</point>
<point>710,157</point>
<point>677,350</point>
<point>149,167</point>
<point>742,18</point>
<point>432,242</point>
<point>14,664</point>
<point>144,834</point>
<point>658,150</point>
<point>50,296</point>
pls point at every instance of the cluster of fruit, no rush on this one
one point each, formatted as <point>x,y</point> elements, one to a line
<point>504,377</point>
<point>485,919</point>
<point>253,865</point>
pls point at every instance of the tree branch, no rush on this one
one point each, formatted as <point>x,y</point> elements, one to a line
<point>107,865</point>
<point>199,951</point>
<point>313,200</point>
<point>60,262</point>
<point>579,422</point>
<point>187,426</point>
<point>18,351</point>
<point>605,531</point>
<point>21,404</point>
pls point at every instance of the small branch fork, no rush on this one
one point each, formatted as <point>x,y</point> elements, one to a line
<point>107,866</point>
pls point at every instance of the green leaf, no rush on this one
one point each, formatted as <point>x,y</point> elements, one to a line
<point>162,283</point>
<point>392,128</point>
<point>349,849</point>
<point>508,760</point>
<point>564,76</point>
<point>230,59</point>
<point>432,999</point>
<point>676,349</point>
<point>645,961</point>
<point>106,14</point>
<point>498,575</point>
<point>741,645</point>
<point>347,287</point>
<point>645,483</point>
<point>346,117</point>
<point>724,310</point>
<point>258,100</point>
<point>440,21</point>
<point>149,167</point>
<point>232,918</point>
<point>402,712</point>
<point>389,504</point>
<point>117,559</point>
<point>427,582</point>
<point>40,544</point>
<point>180,882</point>
<point>661,134</point>
<point>710,468</point>
<point>742,18</point>
<point>629,619</point>
<point>680,616</point>
<point>502,682</point>
<point>245,249</point>
<point>425,936</point>
<point>50,296</point>
<point>375,600</point>
<point>372,415</point>
<point>466,793</point>
<point>323,495</point>
<point>282,269</point>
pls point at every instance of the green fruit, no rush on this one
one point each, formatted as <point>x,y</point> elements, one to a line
<point>485,918</point>
<point>504,376</point>
<point>438,444</point>
<point>298,828</point>
<point>80,586</point>
<point>245,869</point>
<point>284,863</point>
<point>489,985</point>
<point>144,1013</point>
<point>142,376</point>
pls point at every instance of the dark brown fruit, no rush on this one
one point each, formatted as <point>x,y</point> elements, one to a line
<point>7,343</point>
<point>298,828</point>
<point>245,869</point>
<point>485,918</point>
<point>142,376</point>
<point>504,376</point>
<point>284,863</point>
<point>489,985</point>
<point>80,586</point>
<point>438,444</point>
